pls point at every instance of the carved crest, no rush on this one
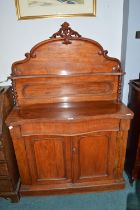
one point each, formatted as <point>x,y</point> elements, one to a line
<point>66,32</point>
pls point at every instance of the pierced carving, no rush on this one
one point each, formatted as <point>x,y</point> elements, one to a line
<point>66,33</point>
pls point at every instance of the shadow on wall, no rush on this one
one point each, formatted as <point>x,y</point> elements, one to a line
<point>133,199</point>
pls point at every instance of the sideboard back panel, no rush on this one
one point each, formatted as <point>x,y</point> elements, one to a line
<point>66,68</point>
<point>66,89</point>
<point>52,57</point>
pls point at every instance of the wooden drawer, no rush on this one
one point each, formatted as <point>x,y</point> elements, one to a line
<point>69,127</point>
<point>3,169</point>
<point>2,157</point>
<point>5,185</point>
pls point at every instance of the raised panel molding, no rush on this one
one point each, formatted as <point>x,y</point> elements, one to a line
<point>95,156</point>
<point>88,88</point>
<point>52,152</point>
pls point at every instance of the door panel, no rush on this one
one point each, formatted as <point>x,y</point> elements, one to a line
<point>94,157</point>
<point>49,159</point>
<point>93,161</point>
<point>51,154</point>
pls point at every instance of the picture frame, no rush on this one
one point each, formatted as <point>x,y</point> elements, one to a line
<point>31,9</point>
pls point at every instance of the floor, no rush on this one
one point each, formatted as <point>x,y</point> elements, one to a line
<point>133,197</point>
<point>127,199</point>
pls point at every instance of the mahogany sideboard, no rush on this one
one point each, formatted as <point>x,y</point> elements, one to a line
<point>9,176</point>
<point>132,163</point>
<point>69,127</point>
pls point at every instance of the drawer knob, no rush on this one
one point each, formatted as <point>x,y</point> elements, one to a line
<point>73,149</point>
<point>10,127</point>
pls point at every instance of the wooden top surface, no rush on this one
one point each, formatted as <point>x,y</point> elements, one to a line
<point>74,111</point>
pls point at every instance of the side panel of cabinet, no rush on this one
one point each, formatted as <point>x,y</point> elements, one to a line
<point>94,156</point>
<point>49,159</point>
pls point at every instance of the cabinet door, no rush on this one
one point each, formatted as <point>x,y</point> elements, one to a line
<point>49,159</point>
<point>94,156</point>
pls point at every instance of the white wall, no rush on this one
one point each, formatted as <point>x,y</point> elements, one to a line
<point>18,36</point>
<point>132,57</point>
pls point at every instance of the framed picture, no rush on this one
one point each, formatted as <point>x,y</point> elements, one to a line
<point>30,9</point>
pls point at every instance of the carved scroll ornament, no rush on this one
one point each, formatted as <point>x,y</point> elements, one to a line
<point>66,32</point>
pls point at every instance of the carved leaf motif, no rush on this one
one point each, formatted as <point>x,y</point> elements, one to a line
<point>66,32</point>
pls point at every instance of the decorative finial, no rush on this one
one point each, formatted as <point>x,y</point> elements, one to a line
<point>66,33</point>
